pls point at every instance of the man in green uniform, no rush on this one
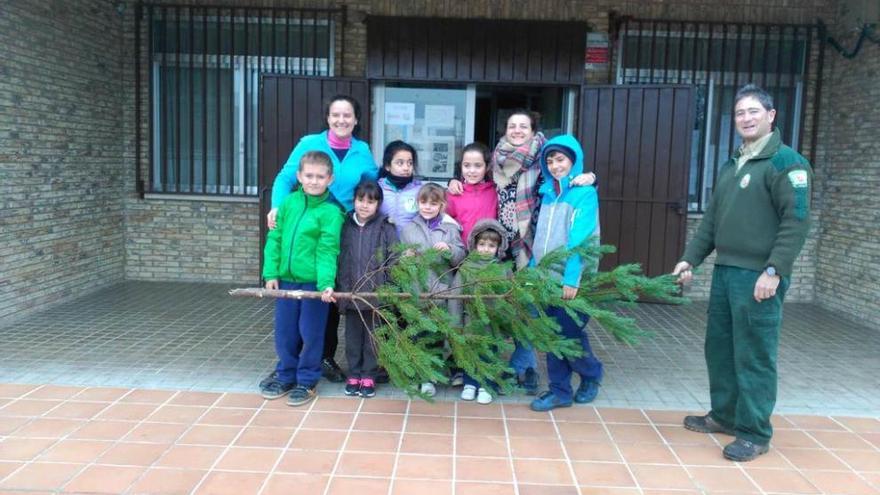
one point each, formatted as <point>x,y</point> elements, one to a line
<point>757,222</point>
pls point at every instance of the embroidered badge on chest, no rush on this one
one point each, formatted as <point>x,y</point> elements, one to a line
<point>799,178</point>
<point>410,204</point>
<point>744,183</point>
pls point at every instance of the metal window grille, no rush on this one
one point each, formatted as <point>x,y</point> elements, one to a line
<point>718,58</point>
<point>201,66</point>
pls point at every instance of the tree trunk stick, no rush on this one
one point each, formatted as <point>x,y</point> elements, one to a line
<point>308,294</point>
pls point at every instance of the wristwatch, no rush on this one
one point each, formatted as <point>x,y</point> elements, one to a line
<point>770,270</point>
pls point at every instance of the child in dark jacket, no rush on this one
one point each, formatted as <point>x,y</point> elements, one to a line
<point>486,244</point>
<point>365,250</point>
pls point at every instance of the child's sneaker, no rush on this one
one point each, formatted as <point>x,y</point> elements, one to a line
<point>301,395</point>
<point>469,392</point>
<point>483,396</point>
<point>548,401</point>
<point>352,386</point>
<point>382,376</point>
<point>428,389</point>
<point>587,391</point>
<point>457,379</point>
<point>368,387</point>
<point>331,371</point>
<point>271,388</point>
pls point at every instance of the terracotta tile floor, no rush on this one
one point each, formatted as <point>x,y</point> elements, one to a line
<point>57,439</point>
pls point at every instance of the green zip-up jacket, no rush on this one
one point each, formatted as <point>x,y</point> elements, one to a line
<point>305,242</point>
<point>760,215</point>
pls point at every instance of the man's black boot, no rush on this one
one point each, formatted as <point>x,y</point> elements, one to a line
<point>743,450</point>
<point>705,424</point>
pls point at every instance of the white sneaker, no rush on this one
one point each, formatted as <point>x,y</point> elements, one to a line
<point>429,389</point>
<point>469,392</point>
<point>483,396</point>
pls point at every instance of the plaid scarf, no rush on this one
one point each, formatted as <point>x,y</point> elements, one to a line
<point>520,164</point>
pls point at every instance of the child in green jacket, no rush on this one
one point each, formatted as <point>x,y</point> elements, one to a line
<point>301,254</point>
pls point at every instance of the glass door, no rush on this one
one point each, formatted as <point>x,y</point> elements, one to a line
<point>438,121</point>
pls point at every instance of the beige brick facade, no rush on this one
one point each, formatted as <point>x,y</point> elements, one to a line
<point>61,164</point>
<point>84,52</point>
<point>848,260</point>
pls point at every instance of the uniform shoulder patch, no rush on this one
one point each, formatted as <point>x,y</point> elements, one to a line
<point>799,178</point>
<point>787,157</point>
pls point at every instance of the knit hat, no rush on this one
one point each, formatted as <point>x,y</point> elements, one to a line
<point>558,148</point>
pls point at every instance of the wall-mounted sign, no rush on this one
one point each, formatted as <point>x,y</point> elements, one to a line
<point>597,54</point>
<point>400,113</point>
<point>441,116</point>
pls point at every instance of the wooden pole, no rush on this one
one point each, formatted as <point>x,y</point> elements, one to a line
<point>310,294</point>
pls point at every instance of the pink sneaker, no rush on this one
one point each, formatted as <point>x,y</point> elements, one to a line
<point>352,386</point>
<point>368,387</point>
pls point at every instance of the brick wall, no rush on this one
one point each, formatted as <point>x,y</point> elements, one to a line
<point>848,264</point>
<point>802,279</point>
<point>61,231</point>
<point>192,240</point>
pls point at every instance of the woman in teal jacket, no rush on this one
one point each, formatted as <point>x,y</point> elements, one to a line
<point>352,160</point>
<point>351,157</point>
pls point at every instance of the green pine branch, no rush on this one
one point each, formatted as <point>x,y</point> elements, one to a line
<point>417,330</point>
<point>409,342</point>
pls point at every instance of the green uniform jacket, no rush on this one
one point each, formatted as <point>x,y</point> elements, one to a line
<point>760,215</point>
<point>305,242</point>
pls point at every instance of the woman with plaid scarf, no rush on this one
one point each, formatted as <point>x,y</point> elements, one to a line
<point>517,175</point>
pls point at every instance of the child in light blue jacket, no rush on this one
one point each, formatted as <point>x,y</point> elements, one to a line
<point>569,216</point>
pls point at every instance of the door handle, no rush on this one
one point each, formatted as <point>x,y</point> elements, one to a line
<point>678,206</point>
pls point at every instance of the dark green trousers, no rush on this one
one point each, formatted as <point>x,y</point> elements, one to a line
<point>742,343</point>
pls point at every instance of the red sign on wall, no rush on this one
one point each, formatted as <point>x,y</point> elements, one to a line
<point>596,56</point>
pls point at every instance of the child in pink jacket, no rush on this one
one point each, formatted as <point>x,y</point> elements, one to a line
<point>479,198</point>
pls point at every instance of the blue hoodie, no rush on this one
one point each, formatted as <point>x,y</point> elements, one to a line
<point>358,162</point>
<point>569,217</point>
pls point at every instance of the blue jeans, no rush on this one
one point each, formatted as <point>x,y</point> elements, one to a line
<point>299,336</point>
<point>559,370</point>
<point>523,357</point>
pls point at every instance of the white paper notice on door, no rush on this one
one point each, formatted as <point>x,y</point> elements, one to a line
<point>441,116</point>
<point>397,113</point>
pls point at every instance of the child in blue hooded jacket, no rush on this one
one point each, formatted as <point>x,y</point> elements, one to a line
<point>569,216</point>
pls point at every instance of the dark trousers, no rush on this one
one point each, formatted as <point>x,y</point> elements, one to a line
<point>331,332</point>
<point>360,350</point>
<point>299,336</point>
<point>559,370</point>
<point>742,343</point>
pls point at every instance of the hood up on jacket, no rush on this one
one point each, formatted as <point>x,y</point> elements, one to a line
<point>484,225</point>
<point>571,144</point>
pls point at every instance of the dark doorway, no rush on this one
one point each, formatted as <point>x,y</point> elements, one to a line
<point>494,104</point>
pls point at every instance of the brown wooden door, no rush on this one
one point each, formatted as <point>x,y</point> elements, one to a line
<point>638,141</point>
<point>292,107</point>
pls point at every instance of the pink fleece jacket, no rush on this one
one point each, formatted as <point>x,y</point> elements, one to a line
<point>476,202</point>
